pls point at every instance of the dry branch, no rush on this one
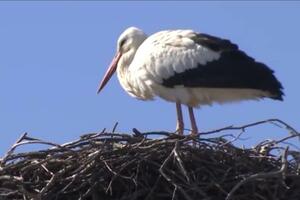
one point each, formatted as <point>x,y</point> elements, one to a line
<point>129,167</point>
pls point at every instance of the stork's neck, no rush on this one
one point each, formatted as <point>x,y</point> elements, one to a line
<point>125,61</point>
<point>129,80</point>
<point>123,73</point>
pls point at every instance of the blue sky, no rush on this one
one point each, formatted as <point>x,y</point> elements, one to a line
<point>53,55</point>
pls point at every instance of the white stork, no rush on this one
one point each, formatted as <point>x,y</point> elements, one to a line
<point>190,68</point>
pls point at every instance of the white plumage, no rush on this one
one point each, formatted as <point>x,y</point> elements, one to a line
<point>189,68</point>
<point>161,56</point>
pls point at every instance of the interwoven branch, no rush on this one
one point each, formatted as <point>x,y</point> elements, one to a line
<point>122,166</point>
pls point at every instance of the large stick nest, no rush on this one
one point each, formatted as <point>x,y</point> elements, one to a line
<point>127,167</point>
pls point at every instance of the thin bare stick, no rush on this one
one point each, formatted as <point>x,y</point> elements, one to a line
<point>115,127</point>
<point>261,175</point>
<point>12,149</point>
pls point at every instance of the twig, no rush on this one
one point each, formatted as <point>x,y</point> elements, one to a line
<point>261,175</point>
<point>115,127</point>
<point>186,196</point>
<point>138,167</point>
<point>12,149</point>
<point>294,132</point>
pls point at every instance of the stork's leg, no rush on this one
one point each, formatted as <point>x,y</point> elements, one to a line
<point>193,121</point>
<point>180,125</point>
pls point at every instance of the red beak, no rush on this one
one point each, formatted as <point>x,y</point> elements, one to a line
<point>110,71</point>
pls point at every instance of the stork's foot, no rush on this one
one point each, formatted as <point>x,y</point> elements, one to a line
<point>179,127</point>
<point>179,130</point>
<point>193,122</point>
<point>194,132</point>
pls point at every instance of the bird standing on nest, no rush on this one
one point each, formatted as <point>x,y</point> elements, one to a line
<point>190,68</point>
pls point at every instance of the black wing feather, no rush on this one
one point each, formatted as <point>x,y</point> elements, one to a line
<point>234,69</point>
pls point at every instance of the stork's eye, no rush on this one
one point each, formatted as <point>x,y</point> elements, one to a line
<point>122,42</point>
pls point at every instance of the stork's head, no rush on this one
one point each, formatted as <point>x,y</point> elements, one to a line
<point>128,43</point>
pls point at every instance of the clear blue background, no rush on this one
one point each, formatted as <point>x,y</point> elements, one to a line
<point>53,55</point>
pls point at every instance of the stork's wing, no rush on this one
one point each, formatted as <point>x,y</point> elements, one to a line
<point>201,60</point>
